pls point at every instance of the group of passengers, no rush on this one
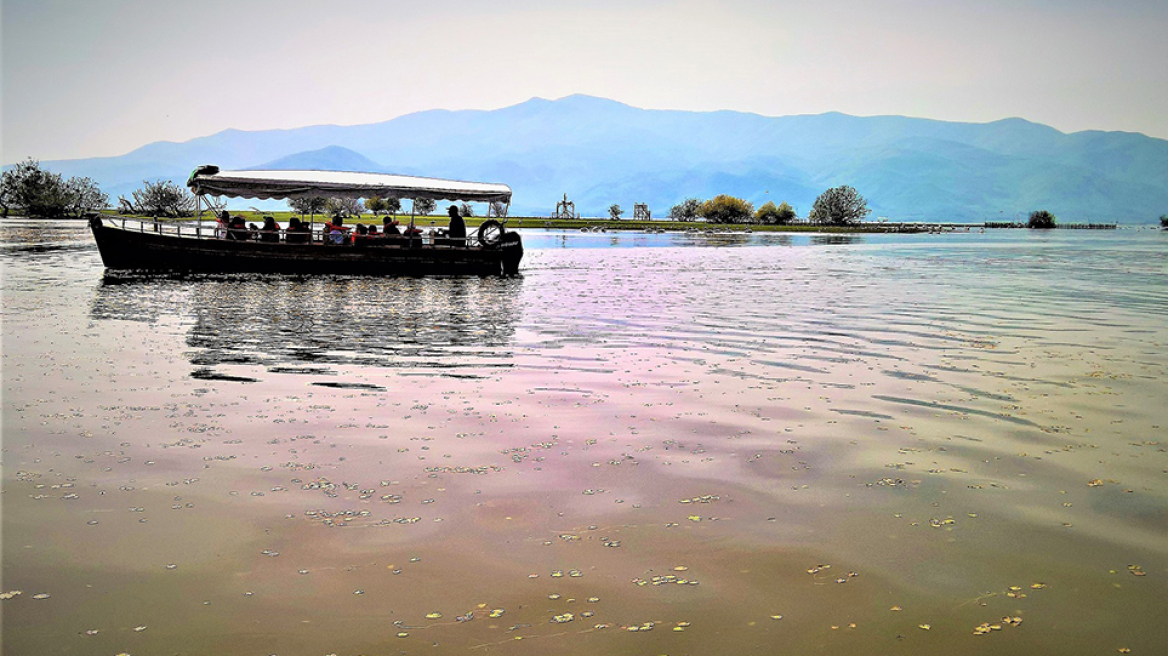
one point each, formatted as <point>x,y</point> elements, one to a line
<point>336,232</point>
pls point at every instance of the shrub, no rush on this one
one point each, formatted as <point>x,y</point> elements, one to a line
<point>769,214</point>
<point>465,209</point>
<point>726,209</point>
<point>686,210</point>
<point>37,193</point>
<point>1164,220</point>
<point>1041,220</point>
<point>615,212</point>
<point>841,205</point>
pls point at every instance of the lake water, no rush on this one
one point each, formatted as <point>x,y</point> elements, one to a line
<point>645,444</point>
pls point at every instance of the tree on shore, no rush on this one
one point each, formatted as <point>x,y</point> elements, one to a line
<point>1041,220</point>
<point>341,208</point>
<point>424,206</point>
<point>393,206</point>
<point>375,204</point>
<point>158,198</point>
<point>726,209</point>
<point>615,211</point>
<point>497,209</point>
<point>465,210</point>
<point>37,193</point>
<point>1164,220</point>
<point>841,205</point>
<point>310,205</point>
<point>686,210</point>
<point>770,214</point>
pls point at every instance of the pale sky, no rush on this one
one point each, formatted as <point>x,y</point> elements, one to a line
<point>88,78</point>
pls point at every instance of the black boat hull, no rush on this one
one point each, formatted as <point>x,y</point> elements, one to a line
<point>146,249</point>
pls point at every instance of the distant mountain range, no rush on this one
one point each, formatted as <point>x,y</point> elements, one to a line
<point>601,152</point>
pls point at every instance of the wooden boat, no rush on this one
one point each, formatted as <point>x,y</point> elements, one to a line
<point>206,247</point>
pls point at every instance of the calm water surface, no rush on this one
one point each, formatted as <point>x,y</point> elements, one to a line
<point>646,444</point>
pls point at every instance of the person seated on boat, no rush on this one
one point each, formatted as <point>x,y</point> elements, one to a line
<point>373,231</point>
<point>298,232</point>
<point>237,229</point>
<point>389,227</point>
<point>271,230</point>
<point>457,230</point>
<point>337,231</point>
<point>362,230</point>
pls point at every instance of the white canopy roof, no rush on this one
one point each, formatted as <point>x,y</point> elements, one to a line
<point>299,184</point>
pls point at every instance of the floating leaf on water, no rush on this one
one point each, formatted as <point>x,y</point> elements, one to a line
<point>575,573</point>
<point>172,566</point>
<point>926,627</point>
<point>894,608</point>
<point>91,632</point>
<point>776,617</point>
<point>560,619</point>
<point>139,629</point>
<point>1094,482</point>
<point>43,595</point>
<point>11,594</point>
<point>680,568</point>
<point>498,612</point>
<point>1037,586</point>
<point>433,616</point>
<point>593,600</point>
<point>553,596</point>
<point>402,634</point>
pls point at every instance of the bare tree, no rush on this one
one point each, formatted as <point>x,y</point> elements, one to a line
<point>159,198</point>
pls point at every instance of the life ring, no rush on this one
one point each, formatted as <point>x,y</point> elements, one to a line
<point>490,233</point>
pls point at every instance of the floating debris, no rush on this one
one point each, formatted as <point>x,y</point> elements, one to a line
<point>11,594</point>
<point>705,498</point>
<point>925,627</point>
<point>433,616</point>
<point>498,612</point>
<point>560,619</point>
<point>43,595</point>
<point>1136,570</point>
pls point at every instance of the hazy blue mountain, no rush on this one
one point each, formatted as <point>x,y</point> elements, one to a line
<point>602,152</point>
<point>331,158</point>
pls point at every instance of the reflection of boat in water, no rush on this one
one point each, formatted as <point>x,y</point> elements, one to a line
<point>245,326</point>
<point>132,244</point>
